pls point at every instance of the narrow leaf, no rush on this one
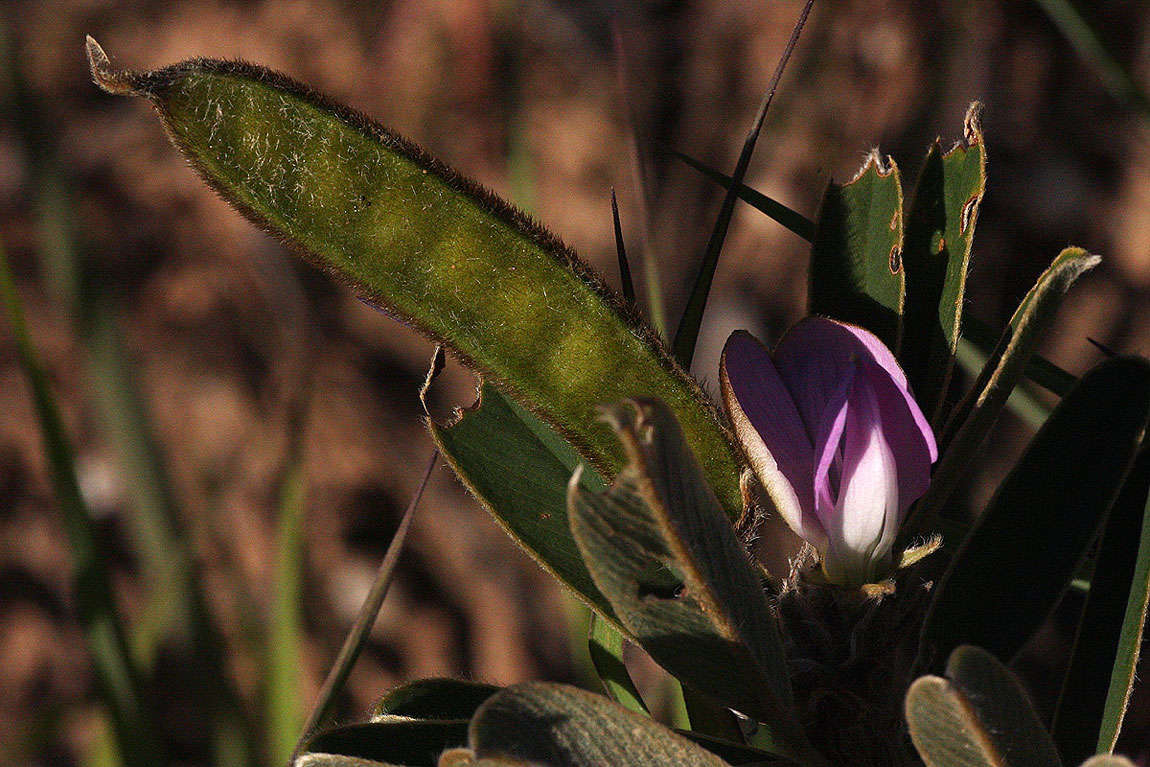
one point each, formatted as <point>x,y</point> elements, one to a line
<point>284,714</point>
<point>434,249</point>
<point>1023,401</point>
<point>856,256</point>
<point>99,616</point>
<point>1027,545</point>
<point>688,333</point>
<point>368,612</point>
<point>775,210</point>
<point>625,279</point>
<point>1101,674</point>
<point>640,172</point>
<point>660,549</point>
<point>1039,370</point>
<point>606,647</point>
<point>976,415</point>
<point>542,723</point>
<point>1085,40</point>
<point>518,468</point>
<point>939,232</point>
<point>434,699</point>
<point>979,716</point>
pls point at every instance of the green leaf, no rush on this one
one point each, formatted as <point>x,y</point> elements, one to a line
<point>1023,401</point>
<point>625,280</point>
<point>553,724</point>
<point>856,256</point>
<point>1027,545</point>
<point>518,468</point>
<point>434,699</point>
<point>606,647</point>
<point>433,248</point>
<point>775,210</point>
<point>99,616</point>
<point>1101,674</point>
<point>980,716</point>
<point>974,417</point>
<point>710,717</point>
<point>1039,370</point>
<point>939,233</point>
<point>659,547</point>
<point>409,742</point>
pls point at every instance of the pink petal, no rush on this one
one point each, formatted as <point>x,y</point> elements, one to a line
<point>828,450</point>
<point>910,438</point>
<point>771,432</point>
<point>817,352</point>
<point>861,531</point>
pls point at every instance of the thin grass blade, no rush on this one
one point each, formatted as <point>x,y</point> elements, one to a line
<point>357,636</point>
<point>688,333</point>
<point>1086,41</point>
<point>282,709</point>
<point>116,673</point>
<point>788,218</point>
<point>649,263</point>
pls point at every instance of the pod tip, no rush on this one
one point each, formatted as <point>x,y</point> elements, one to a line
<point>110,80</point>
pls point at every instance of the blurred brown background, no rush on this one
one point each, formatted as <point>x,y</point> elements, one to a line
<point>218,322</point>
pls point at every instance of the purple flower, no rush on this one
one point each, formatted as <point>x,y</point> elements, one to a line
<point>835,437</point>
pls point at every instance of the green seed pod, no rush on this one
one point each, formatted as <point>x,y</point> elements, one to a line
<point>431,248</point>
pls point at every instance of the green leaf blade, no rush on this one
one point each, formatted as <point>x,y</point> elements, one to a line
<point>518,468</point>
<point>1099,680</point>
<point>939,233</point>
<point>1027,545</point>
<point>659,548</point>
<point>781,214</point>
<point>434,699</point>
<point>408,742</point>
<point>979,716</point>
<point>544,723</point>
<point>284,714</point>
<point>433,248</point>
<point>973,419</point>
<point>856,256</point>
<point>606,645</point>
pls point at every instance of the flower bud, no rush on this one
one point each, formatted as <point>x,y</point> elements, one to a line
<point>835,437</point>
